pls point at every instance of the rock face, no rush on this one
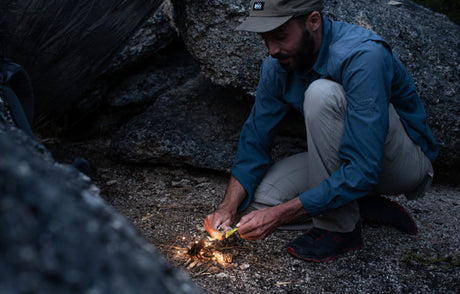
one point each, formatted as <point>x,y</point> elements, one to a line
<point>227,57</point>
<point>196,124</point>
<point>427,43</point>
<point>58,236</point>
<point>154,35</point>
<point>167,70</point>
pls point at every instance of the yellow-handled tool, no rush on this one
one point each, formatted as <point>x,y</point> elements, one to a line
<point>230,232</point>
<point>227,233</point>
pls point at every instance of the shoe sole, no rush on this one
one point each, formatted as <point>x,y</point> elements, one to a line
<point>292,252</point>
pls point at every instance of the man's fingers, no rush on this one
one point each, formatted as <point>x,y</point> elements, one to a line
<point>216,223</point>
<point>252,235</point>
<point>212,230</point>
<point>245,219</point>
<point>216,235</point>
<point>246,227</point>
<point>256,225</point>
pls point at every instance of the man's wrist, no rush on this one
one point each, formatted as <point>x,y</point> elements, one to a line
<point>290,211</point>
<point>234,195</point>
<point>229,208</point>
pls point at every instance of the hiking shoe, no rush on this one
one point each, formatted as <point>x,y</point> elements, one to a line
<point>382,211</point>
<point>320,245</point>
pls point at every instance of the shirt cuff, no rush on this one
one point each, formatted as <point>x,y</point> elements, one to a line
<point>311,201</point>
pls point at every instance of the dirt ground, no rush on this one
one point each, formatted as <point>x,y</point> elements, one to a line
<point>168,205</point>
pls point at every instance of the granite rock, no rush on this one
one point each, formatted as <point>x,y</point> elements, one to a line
<point>58,236</point>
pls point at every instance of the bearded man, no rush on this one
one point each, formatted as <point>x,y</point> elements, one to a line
<point>366,135</point>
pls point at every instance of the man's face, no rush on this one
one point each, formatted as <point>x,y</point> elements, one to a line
<point>292,45</point>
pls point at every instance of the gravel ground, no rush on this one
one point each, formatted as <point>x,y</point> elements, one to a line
<point>168,206</point>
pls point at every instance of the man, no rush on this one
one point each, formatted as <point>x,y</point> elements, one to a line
<point>366,134</point>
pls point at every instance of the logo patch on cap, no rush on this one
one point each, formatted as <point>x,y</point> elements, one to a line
<point>258,6</point>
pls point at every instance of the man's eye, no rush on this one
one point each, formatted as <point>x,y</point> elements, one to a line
<point>279,37</point>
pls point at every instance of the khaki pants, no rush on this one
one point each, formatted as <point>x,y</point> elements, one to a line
<point>405,168</point>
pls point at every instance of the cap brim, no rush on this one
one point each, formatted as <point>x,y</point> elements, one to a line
<point>262,24</point>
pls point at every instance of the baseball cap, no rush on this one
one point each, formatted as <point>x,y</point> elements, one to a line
<point>267,15</point>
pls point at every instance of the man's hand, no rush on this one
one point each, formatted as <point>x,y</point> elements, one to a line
<point>259,224</point>
<point>225,213</point>
<point>220,217</point>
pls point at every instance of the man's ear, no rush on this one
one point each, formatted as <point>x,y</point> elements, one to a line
<point>314,21</point>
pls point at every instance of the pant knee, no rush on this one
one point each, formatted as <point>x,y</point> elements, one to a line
<point>324,96</point>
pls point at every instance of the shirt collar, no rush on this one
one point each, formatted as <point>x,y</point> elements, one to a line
<point>320,65</point>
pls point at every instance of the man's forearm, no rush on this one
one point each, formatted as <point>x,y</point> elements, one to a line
<point>233,197</point>
<point>260,223</point>
<point>290,211</point>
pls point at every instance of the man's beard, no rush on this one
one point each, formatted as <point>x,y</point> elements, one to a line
<point>304,56</point>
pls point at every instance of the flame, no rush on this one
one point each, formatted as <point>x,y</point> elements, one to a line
<point>221,258</point>
<point>200,250</point>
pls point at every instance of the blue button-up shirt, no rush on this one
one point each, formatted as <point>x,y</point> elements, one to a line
<point>372,77</point>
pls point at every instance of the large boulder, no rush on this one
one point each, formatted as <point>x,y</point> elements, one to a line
<point>196,124</point>
<point>58,236</point>
<point>426,42</point>
<point>227,57</point>
<point>140,87</point>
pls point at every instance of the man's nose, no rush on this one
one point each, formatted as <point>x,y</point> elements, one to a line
<point>273,48</point>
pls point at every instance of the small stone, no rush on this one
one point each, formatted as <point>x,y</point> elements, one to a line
<point>245,266</point>
<point>111,182</point>
<point>214,270</point>
<point>222,275</point>
<point>395,3</point>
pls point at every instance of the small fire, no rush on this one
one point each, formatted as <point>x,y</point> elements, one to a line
<point>205,250</point>
<point>222,258</point>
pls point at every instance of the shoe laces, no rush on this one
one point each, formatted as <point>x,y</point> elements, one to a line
<point>317,234</point>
